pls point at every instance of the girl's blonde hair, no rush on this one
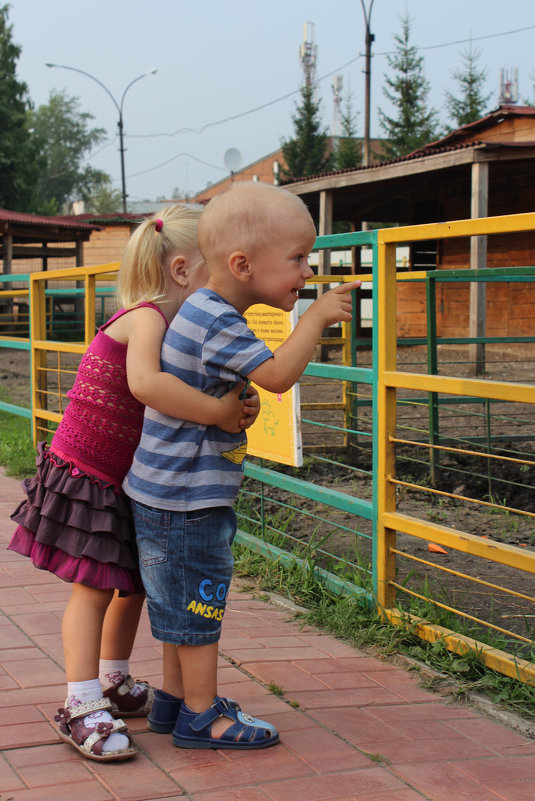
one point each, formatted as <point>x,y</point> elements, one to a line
<point>143,273</point>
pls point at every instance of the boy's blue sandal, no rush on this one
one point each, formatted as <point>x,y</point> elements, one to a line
<point>164,713</point>
<point>193,730</point>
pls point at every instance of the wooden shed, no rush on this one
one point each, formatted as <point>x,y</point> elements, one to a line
<point>31,242</point>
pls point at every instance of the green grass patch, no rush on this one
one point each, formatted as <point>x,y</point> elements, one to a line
<point>17,452</point>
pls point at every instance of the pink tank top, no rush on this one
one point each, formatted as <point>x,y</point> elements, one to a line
<point>101,426</point>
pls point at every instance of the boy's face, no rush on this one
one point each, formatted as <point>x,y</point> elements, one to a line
<point>281,268</point>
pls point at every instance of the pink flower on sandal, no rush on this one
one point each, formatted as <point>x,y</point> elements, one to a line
<point>104,728</point>
<point>63,717</point>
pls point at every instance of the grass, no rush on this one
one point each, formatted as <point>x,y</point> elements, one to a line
<point>17,453</point>
<point>347,618</point>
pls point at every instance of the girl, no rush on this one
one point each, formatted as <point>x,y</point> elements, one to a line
<point>76,520</point>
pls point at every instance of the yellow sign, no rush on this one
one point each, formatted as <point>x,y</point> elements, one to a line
<point>276,434</point>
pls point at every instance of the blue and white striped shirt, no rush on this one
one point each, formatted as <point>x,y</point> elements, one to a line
<point>179,465</point>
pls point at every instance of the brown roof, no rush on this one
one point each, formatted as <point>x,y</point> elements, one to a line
<point>499,114</point>
<point>22,218</point>
<point>116,218</point>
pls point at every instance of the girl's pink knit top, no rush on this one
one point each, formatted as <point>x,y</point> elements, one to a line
<point>102,424</point>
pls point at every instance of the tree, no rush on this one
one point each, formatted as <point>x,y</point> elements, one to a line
<point>306,154</point>
<point>349,151</point>
<point>102,198</point>
<point>415,125</point>
<point>65,139</point>
<point>19,160</point>
<point>471,104</point>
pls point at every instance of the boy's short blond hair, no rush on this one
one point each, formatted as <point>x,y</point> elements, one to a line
<point>243,218</point>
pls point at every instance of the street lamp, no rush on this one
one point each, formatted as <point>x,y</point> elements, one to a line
<point>367,72</point>
<point>118,106</point>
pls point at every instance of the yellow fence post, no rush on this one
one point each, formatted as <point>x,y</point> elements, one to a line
<point>37,355</point>
<point>386,421</point>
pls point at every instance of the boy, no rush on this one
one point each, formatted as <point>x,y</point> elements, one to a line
<point>255,239</point>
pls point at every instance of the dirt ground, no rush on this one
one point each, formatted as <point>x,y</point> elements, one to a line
<point>510,484</point>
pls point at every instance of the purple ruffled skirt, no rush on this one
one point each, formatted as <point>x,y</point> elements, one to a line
<point>76,526</point>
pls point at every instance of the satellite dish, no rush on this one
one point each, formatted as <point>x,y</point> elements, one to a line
<point>232,159</point>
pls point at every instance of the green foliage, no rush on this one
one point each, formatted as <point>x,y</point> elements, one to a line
<point>472,102</point>
<point>407,89</point>
<point>306,154</point>
<point>349,151</point>
<point>65,139</point>
<point>19,161</point>
<point>104,199</point>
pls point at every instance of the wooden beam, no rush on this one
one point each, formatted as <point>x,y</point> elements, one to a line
<point>23,252</point>
<point>325,226</point>
<point>7,254</point>
<point>38,233</point>
<point>369,175</point>
<point>478,261</point>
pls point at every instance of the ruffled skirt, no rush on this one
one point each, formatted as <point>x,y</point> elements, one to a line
<point>76,526</point>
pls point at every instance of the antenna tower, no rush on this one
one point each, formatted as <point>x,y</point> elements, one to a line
<point>336,86</point>
<point>508,87</point>
<point>308,53</point>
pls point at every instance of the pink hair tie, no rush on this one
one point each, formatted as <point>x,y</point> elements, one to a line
<point>159,225</point>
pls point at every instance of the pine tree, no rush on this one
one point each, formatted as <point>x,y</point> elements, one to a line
<point>471,104</point>
<point>349,151</point>
<point>19,159</point>
<point>415,125</point>
<point>306,154</point>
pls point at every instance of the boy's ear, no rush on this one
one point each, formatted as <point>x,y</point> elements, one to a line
<point>240,265</point>
<point>177,271</point>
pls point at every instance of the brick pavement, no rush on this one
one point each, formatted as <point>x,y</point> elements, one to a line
<point>359,728</point>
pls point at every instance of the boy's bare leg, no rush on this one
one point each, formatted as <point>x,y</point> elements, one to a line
<point>120,626</point>
<point>172,674</point>
<point>199,676</point>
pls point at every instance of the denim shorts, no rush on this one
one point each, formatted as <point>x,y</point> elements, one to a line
<point>186,565</point>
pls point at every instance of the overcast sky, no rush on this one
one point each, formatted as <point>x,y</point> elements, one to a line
<point>219,60</point>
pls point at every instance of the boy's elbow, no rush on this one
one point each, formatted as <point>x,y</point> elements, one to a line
<point>277,384</point>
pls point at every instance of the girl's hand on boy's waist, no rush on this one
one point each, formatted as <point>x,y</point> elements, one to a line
<point>240,408</point>
<point>251,405</point>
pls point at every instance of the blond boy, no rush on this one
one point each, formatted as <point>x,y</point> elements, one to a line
<point>255,240</point>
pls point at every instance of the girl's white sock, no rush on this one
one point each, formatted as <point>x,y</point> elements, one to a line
<point>112,672</point>
<point>80,692</point>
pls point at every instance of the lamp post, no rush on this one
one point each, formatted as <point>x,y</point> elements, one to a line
<point>118,106</point>
<point>367,72</point>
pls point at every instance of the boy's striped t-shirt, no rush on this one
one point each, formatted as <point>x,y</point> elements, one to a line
<point>180,465</point>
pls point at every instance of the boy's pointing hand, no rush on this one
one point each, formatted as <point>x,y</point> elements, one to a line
<point>336,305</point>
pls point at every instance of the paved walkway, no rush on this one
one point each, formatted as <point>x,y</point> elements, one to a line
<point>357,728</point>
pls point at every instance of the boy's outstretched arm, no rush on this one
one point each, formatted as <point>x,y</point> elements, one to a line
<point>290,359</point>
